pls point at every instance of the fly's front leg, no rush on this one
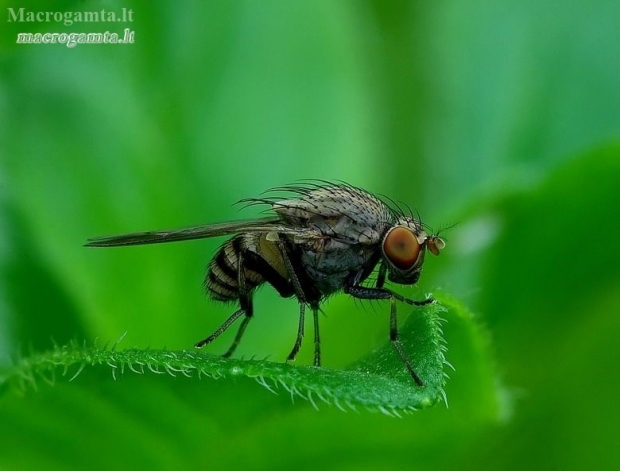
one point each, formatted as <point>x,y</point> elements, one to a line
<point>381,282</point>
<point>362,292</point>
<point>394,338</point>
<point>381,275</point>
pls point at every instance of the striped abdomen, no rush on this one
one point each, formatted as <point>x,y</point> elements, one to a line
<point>261,261</point>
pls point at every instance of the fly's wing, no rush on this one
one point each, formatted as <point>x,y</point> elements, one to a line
<point>341,211</point>
<point>269,225</point>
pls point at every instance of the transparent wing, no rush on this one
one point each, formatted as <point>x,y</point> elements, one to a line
<point>271,224</point>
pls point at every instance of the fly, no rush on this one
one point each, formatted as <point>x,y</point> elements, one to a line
<point>325,238</point>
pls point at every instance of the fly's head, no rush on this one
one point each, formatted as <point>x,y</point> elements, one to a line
<point>403,248</point>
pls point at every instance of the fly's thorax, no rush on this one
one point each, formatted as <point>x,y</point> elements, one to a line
<point>338,211</point>
<point>328,263</point>
<point>404,246</point>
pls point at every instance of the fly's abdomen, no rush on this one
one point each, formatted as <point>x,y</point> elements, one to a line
<point>222,281</point>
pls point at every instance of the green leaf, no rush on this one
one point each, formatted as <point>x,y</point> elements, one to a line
<point>169,420</point>
<point>379,382</point>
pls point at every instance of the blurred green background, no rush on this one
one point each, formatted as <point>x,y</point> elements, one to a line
<point>501,117</point>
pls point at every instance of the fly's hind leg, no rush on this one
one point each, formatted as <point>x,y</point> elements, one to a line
<point>221,329</point>
<point>248,311</point>
<point>246,308</point>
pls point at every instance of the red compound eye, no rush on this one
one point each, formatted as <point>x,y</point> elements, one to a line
<point>401,247</point>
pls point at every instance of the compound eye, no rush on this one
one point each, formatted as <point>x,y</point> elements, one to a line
<point>401,247</point>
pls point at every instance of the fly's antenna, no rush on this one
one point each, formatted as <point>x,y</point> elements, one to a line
<point>442,229</point>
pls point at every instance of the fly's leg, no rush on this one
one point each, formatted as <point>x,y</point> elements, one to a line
<point>394,338</point>
<point>300,333</point>
<point>381,275</point>
<point>245,302</point>
<point>247,310</point>
<point>221,329</point>
<point>245,307</point>
<point>301,296</point>
<point>248,317</point>
<point>317,338</point>
<point>381,282</point>
<point>362,292</point>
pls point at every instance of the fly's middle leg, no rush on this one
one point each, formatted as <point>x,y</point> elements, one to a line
<point>317,337</point>
<point>303,300</point>
<point>300,333</point>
